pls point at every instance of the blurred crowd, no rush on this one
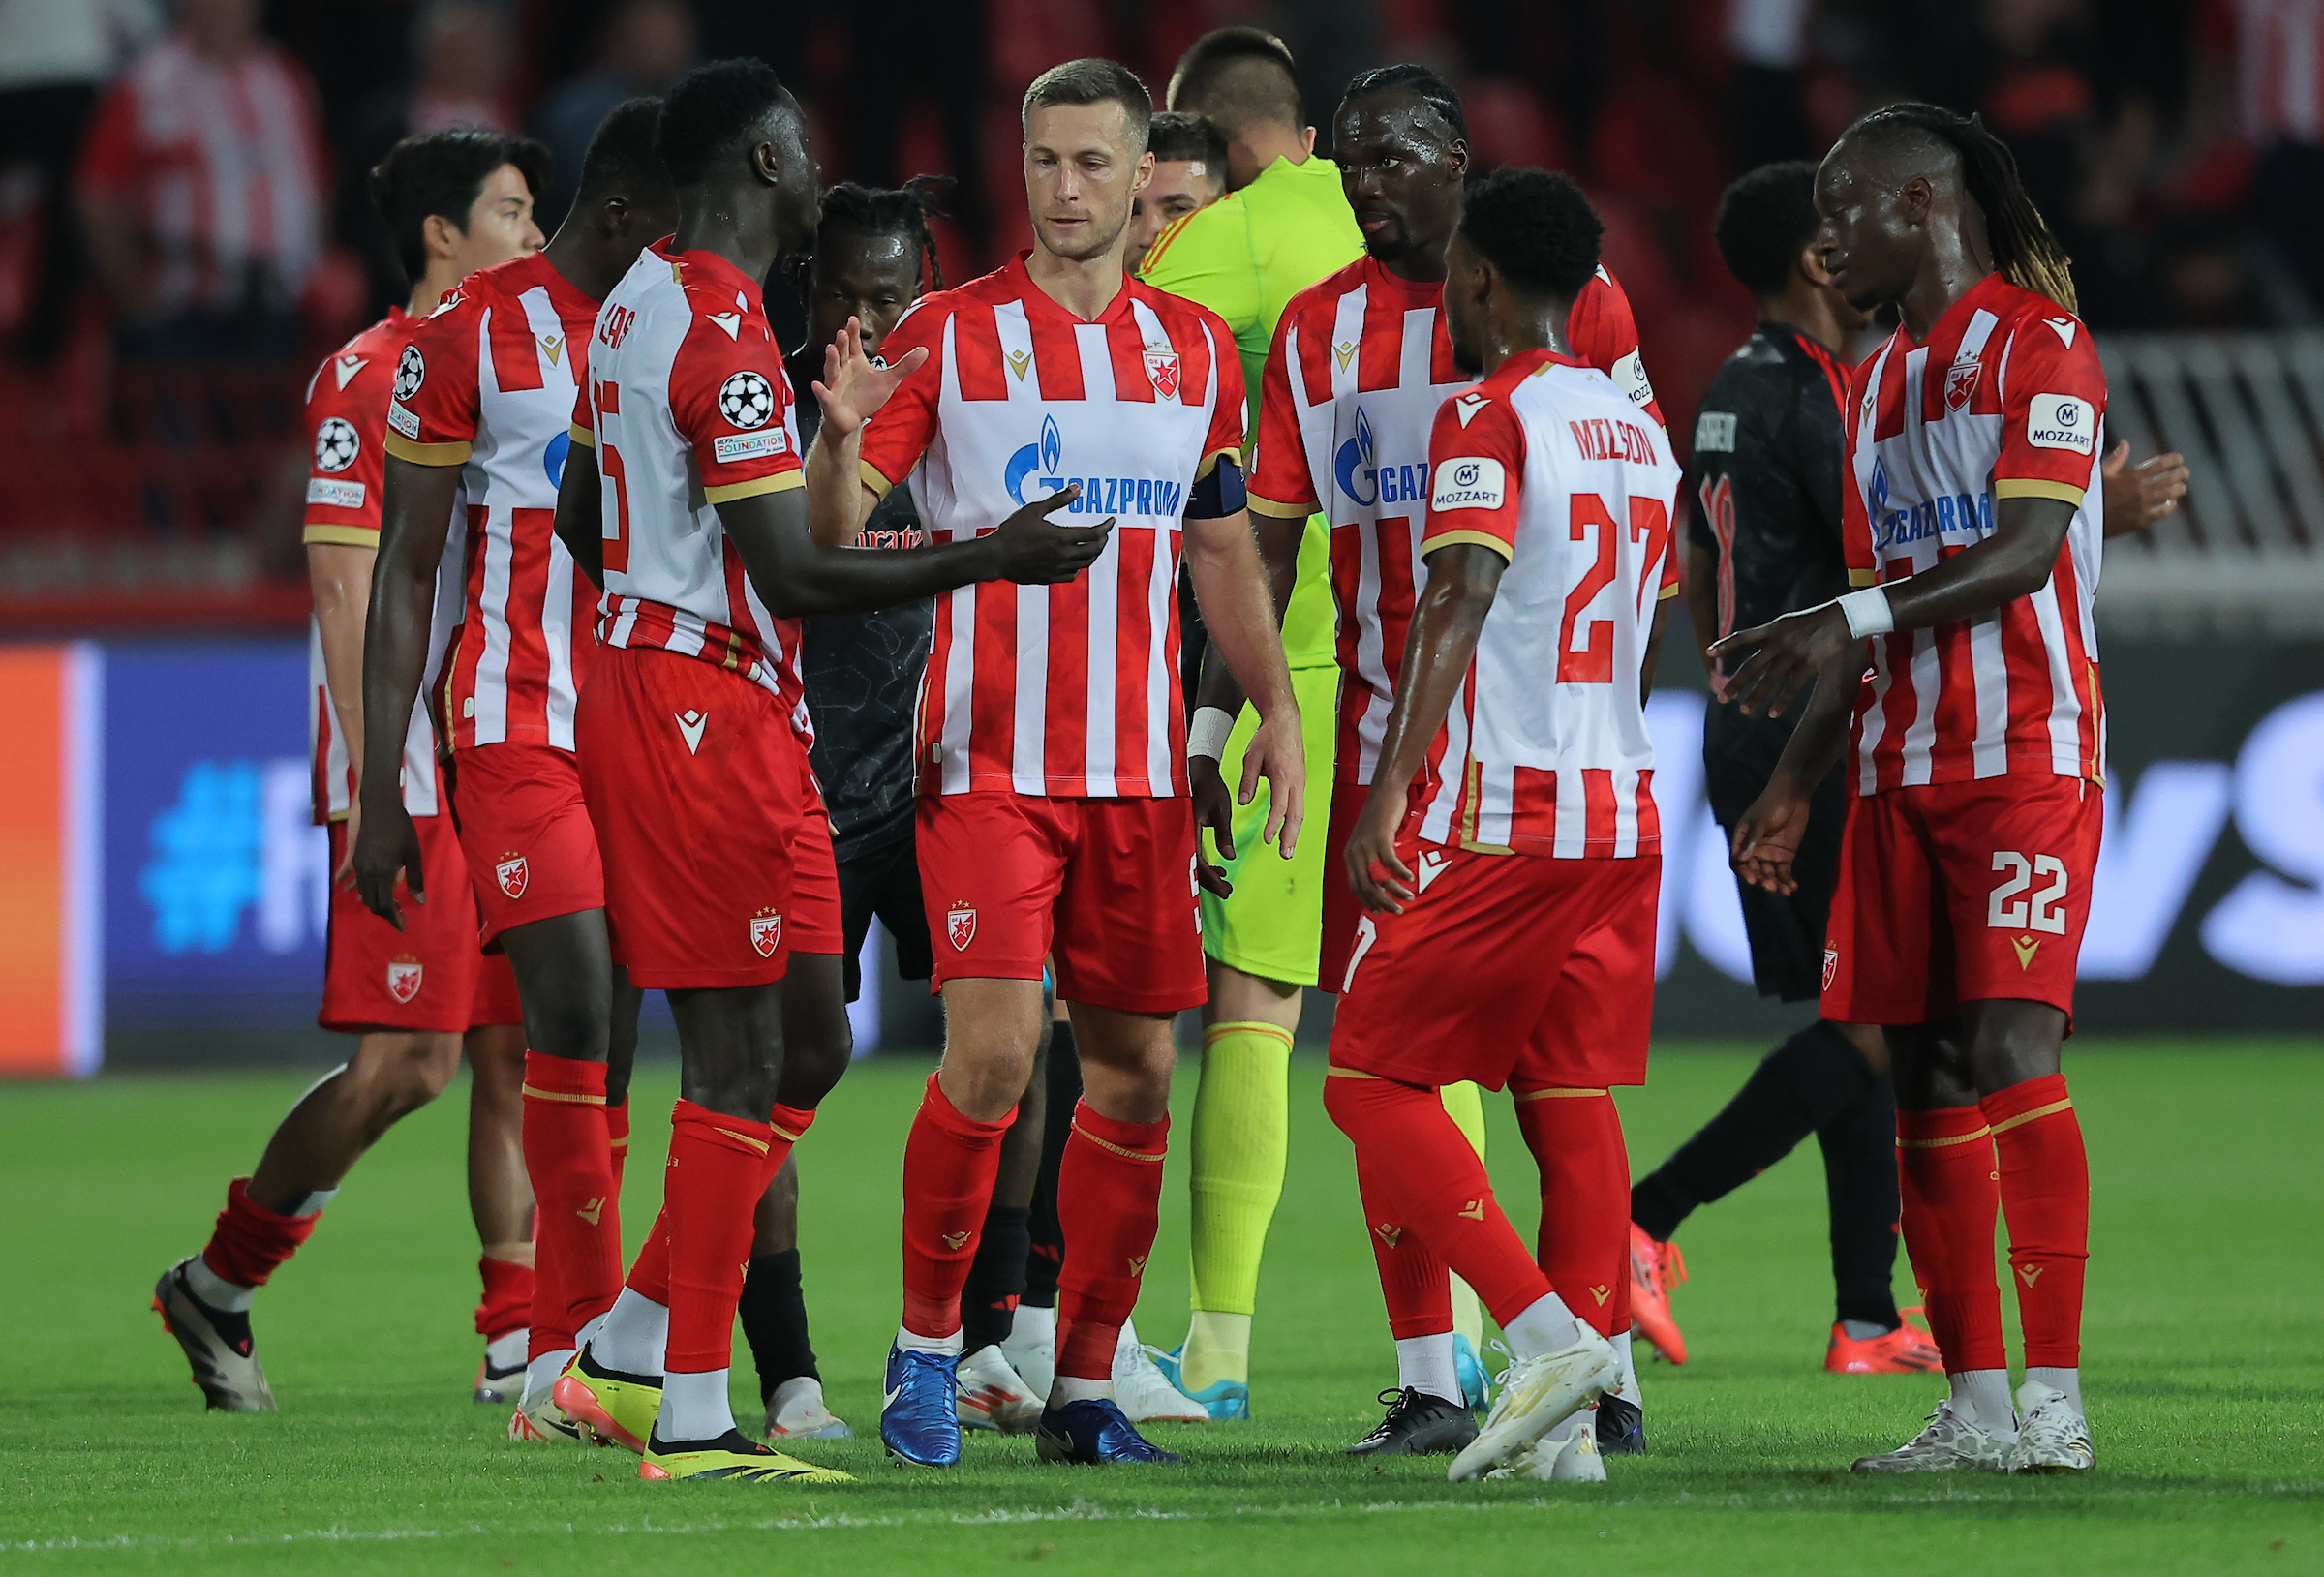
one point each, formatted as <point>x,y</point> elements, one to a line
<point>184,230</point>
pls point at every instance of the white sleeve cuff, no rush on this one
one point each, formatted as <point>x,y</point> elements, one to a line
<point>1868,613</point>
<point>1207,732</point>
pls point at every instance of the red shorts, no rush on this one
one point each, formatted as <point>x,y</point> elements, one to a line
<point>691,776</point>
<point>1509,969</point>
<point>1105,888</point>
<point>422,977</point>
<point>814,923</point>
<point>1953,893</point>
<point>495,1000</point>
<point>1341,911</point>
<point>529,844</point>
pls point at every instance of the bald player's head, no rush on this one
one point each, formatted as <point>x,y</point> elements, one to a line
<point>1243,81</point>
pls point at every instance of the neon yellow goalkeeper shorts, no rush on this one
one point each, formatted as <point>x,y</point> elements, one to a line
<point>1272,926</point>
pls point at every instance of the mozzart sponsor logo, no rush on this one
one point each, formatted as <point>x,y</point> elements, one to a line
<point>1954,515</point>
<point>1039,469</point>
<point>2061,421</point>
<point>1366,482</point>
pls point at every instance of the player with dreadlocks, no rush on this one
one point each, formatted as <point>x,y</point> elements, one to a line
<point>1973,525</point>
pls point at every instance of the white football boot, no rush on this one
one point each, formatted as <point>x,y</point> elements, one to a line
<point>1534,1396</point>
<point>1952,1443</point>
<point>1574,1460</point>
<point>1142,1392</point>
<point>993,1395</point>
<point>2052,1438</point>
<point>1032,1349</point>
<point>796,1412</point>
<point>539,1417</point>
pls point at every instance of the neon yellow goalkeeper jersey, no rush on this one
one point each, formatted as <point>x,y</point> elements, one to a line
<point>1244,257</point>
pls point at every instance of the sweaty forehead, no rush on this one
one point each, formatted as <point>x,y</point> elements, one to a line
<point>844,254</point>
<point>1396,116</point>
<point>1885,158</point>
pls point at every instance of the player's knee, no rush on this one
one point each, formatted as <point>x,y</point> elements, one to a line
<point>401,1073</point>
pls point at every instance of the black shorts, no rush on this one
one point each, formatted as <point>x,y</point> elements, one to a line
<point>884,882</point>
<point>1787,934</point>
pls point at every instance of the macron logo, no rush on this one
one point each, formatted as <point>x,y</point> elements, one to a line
<point>2066,329</point>
<point>346,366</point>
<point>1468,404</point>
<point>691,724</point>
<point>1431,866</point>
<point>730,322</point>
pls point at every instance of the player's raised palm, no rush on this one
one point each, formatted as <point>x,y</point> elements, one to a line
<point>1037,551</point>
<point>1767,838</point>
<point>853,385</point>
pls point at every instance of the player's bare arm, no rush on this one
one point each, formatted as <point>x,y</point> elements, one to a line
<point>1768,836</point>
<point>416,512</point>
<point>1702,611</point>
<point>1277,541</point>
<point>1244,614</point>
<point>851,390</point>
<point>339,573</point>
<point>580,520</point>
<point>2014,562</point>
<point>1654,649</point>
<point>2138,496</point>
<point>798,578</point>
<point>1462,580</point>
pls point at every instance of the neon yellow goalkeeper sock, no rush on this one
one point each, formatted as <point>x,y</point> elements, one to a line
<point>1464,1104</point>
<point>1241,1133</point>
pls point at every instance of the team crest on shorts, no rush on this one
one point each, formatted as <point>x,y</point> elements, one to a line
<point>512,873</point>
<point>403,977</point>
<point>1831,964</point>
<point>960,925</point>
<point>1162,371</point>
<point>766,932</point>
<point>1961,380</point>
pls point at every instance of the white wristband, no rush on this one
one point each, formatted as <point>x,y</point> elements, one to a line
<point>1867,612</point>
<point>1207,730</point>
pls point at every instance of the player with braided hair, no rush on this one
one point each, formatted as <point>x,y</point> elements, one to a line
<point>1972,508</point>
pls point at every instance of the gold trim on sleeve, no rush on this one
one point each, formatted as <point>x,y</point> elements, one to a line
<point>2029,487</point>
<point>780,482</point>
<point>427,454</point>
<point>1484,539</point>
<point>345,536</point>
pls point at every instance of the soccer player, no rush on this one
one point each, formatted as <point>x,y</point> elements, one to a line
<point>1509,841</point>
<point>689,728</point>
<point>482,411</point>
<point>1764,542</point>
<point>1284,226</point>
<point>455,202</point>
<point>862,674</point>
<point>1052,776</point>
<point>1190,173</point>
<point>1974,526</point>
<point>1353,380</point>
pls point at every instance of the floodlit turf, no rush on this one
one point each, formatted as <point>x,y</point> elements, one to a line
<point>2205,1363</point>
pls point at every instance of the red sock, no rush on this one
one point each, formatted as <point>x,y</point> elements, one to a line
<point>650,1274</point>
<point>2045,1191</point>
<point>1108,1208</point>
<point>250,1240</point>
<point>1952,1198</point>
<point>1575,1136</point>
<point>577,1219</point>
<point>717,1173</point>
<point>617,1133</point>
<point>508,1303</point>
<point>1404,1137</point>
<point>949,1163</point>
<point>1412,1280</point>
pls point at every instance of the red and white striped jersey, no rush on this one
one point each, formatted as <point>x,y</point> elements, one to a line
<point>2279,50</point>
<point>2005,400</point>
<point>1359,366</point>
<point>346,419</point>
<point>1546,751</point>
<point>689,407</point>
<point>488,383</point>
<point>1067,691</point>
<point>225,164</point>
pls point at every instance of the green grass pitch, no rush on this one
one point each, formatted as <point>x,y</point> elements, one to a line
<point>2205,1361</point>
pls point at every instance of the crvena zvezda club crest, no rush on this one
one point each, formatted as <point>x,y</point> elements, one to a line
<point>402,978</point>
<point>766,932</point>
<point>512,873</point>
<point>1162,371</point>
<point>960,925</point>
<point>1960,381</point>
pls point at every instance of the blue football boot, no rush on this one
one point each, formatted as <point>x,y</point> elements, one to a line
<point>1093,1433</point>
<point>1224,1399</point>
<point>917,1420</point>
<point>1474,1385</point>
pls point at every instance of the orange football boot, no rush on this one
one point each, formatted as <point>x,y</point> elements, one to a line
<point>1654,1269</point>
<point>1908,1349</point>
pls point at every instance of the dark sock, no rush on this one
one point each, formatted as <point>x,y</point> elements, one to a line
<point>1796,1088</point>
<point>1046,1237</point>
<point>1859,1175</point>
<point>995,1278</point>
<point>774,1314</point>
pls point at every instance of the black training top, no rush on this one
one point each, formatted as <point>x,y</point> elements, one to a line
<point>862,673</point>
<point>1768,455</point>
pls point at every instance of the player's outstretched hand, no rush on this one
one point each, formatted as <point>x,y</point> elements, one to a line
<point>1037,551</point>
<point>1215,809</point>
<point>387,851</point>
<point>1381,881</point>
<point>1767,838</point>
<point>1785,656</point>
<point>2138,496</point>
<point>1278,754</point>
<point>853,386</point>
